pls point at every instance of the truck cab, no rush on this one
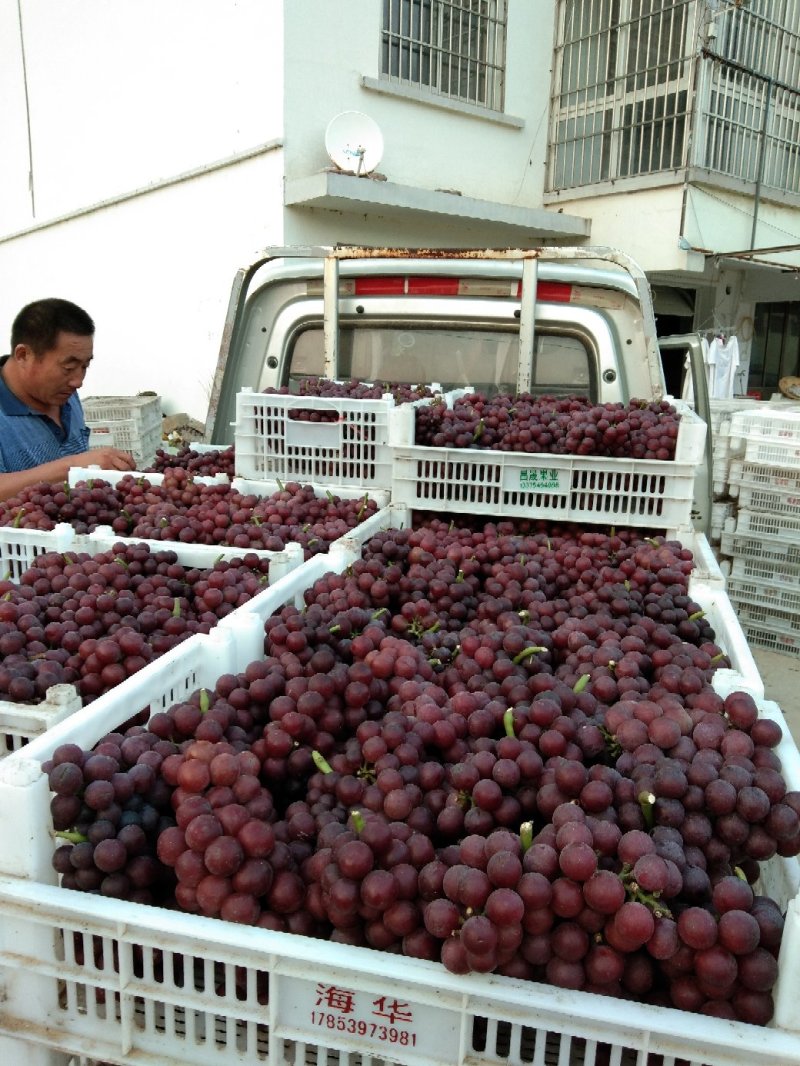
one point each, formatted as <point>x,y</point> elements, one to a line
<point>549,321</point>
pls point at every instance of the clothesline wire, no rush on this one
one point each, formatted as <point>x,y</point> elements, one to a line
<point>730,331</point>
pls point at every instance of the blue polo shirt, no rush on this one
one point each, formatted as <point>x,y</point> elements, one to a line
<point>29,438</point>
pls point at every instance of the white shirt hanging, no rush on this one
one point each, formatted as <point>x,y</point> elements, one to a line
<point>722,362</point>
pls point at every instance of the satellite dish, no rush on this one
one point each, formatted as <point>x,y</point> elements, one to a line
<point>354,142</point>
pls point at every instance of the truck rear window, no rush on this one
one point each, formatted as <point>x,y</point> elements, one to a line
<point>485,359</point>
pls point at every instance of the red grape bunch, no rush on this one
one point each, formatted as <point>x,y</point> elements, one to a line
<point>569,425</point>
<point>491,745</point>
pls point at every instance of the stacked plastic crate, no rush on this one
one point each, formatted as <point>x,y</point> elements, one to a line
<point>562,487</point>
<point>132,423</point>
<point>760,545</point>
<point>723,506</point>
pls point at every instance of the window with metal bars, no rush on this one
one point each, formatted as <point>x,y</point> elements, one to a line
<point>454,48</point>
<point>646,86</point>
<point>621,89</point>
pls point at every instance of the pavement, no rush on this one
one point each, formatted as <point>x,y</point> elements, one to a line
<point>781,676</point>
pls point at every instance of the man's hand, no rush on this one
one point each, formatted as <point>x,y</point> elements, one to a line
<point>105,458</point>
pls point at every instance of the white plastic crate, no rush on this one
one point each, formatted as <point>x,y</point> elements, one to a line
<point>105,980</point>
<point>759,535</point>
<point>22,722</point>
<point>635,492</point>
<point>771,452</point>
<point>723,410</point>
<point>19,547</point>
<point>770,629</point>
<point>762,570</point>
<point>770,423</point>
<point>347,444</point>
<point>144,411</point>
<point>765,488</point>
<point>562,488</point>
<point>137,1008</point>
<point>124,435</point>
<point>132,423</point>
<point>254,487</point>
<point>281,562</point>
<point>772,501</point>
<point>784,598</point>
<point>350,448</point>
<point>779,551</point>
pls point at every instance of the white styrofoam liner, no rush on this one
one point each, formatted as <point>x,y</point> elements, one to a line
<point>707,568</point>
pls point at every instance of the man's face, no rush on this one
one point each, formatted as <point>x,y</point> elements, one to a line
<point>50,379</point>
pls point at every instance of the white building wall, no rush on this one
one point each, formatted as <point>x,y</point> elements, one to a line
<point>155,273</point>
<point>331,47</point>
<point>125,98</point>
<point>131,105</point>
<point>652,239</point>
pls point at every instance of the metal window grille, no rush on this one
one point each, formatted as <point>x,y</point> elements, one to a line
<point>646,86</point>
<point>748,95</point>
<point>621,90</point>
<point>456,48</point>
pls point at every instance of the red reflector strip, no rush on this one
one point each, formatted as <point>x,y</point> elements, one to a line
<point>556,292</point>
<point>401,286</point>
<point>424,285</point>
<point>433,287</point>
<point>380,286</point>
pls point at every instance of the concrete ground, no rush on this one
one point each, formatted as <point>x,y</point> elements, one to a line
<point>781,676</point>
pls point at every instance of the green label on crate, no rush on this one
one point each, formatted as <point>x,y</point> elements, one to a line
<point>540,479</point>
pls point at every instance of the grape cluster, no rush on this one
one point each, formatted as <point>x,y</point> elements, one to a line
<point>204,464</point>
<point>569,425</point>
<point>44,505</point>
<point>354,390</point>
<point>184,510</point>
<point>495,746</point>
<point>94,620</point>
<point>351,390</point>
<point>110,807</point>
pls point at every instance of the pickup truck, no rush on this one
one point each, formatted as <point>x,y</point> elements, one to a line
<point>550,321</point>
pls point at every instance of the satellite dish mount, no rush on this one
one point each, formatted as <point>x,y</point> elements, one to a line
<point>354,143</point>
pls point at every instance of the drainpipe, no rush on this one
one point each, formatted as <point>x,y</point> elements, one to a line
<point>761,159</point>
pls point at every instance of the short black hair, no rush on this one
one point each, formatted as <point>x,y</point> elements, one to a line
<point>39,323</point>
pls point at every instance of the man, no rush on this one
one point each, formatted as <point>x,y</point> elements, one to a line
<point>42,429</point>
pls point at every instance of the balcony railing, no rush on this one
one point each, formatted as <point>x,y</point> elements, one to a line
<point>643,87</point>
